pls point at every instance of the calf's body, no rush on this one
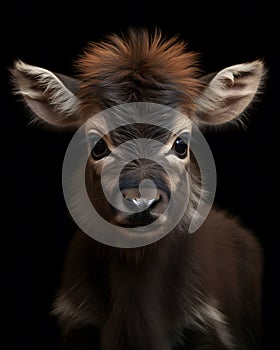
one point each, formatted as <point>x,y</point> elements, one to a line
<point>198,291</point>
<point>183,291</point>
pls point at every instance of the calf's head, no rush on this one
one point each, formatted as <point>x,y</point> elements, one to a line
<point>154,92</point>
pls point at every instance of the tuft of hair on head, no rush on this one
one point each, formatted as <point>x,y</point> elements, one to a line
<point>136,66</point>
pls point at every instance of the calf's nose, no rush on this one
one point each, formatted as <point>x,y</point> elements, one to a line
<point>140,202</point>
<point>142,208</point>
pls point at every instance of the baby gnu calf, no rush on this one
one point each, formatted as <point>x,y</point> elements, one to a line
<point>182,291</point>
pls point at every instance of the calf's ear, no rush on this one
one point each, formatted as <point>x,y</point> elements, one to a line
<point>52,97</point>
<point>229,92</point>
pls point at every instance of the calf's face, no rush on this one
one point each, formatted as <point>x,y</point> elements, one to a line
<point>138,165</point>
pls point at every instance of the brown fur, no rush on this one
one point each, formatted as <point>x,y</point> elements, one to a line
<point>138,67</point>
<point>146,302</point>
<point>198,291</point>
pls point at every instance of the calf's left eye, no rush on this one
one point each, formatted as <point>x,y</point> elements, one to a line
<point>180,147</point>
<point>99,150</point>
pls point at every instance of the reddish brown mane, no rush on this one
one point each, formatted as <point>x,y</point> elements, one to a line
<point>138,67</point>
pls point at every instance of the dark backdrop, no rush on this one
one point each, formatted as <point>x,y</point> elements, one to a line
<point>36,225</point>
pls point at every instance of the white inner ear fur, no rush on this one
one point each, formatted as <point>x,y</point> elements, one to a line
<point>230,92</point>
<point>40,84</point>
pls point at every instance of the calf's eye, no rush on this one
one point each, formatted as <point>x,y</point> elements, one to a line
<point>99,150</point>
<point>180,147</point>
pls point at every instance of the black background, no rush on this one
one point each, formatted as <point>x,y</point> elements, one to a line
<point>36,225</point>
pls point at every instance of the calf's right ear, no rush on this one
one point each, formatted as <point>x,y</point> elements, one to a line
<point>52,97</point>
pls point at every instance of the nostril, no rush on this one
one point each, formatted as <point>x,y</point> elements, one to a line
<point>154,202</point>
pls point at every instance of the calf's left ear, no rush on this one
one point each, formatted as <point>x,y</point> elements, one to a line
<point>230,92</point>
